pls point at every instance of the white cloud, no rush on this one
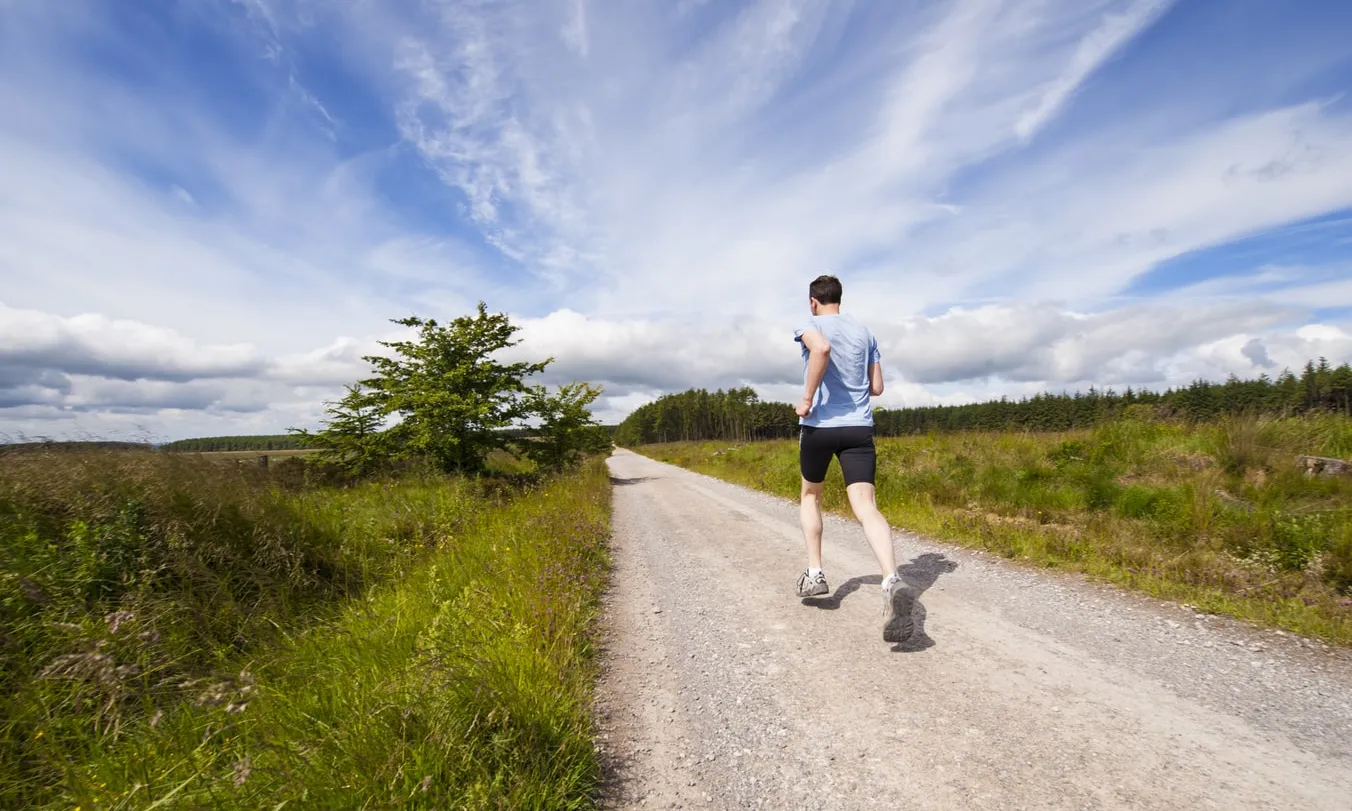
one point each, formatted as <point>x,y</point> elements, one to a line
<point>337,364</point>
<point>575,32</point>
<point>1054,345</point>
<point>1099,45</point>
<point>90,363</point>
<point>650,186</point>
<point>710,187</point>
<point>263,17</point>
<point>1310,288</point>
<point>961,355</point>
<point>655,355</point>
<point>115,348</point>
<point>996,349</point>
<point>1282,351</point>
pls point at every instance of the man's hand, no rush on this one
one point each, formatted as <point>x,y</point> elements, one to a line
<point>804,407</point>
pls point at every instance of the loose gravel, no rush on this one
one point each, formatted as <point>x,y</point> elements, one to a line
<point>1019,689</point>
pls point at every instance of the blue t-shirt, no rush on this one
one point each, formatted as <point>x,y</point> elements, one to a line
<point>842,398</point>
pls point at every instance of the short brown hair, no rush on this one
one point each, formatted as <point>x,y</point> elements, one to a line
<point>825,289</point>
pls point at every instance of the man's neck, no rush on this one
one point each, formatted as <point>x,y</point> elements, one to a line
<point>828,309</point>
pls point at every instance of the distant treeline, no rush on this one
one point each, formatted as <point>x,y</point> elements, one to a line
<point>79,445</point>
<point>738,415</point>
<point>279,442</point>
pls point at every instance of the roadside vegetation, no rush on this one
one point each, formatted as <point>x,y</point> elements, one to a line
<point>1218,515</point>
<point>408,628</point>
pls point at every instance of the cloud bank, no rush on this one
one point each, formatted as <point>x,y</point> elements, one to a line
<point>1018,196</point>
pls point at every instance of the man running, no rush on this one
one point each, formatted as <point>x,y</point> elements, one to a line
<point>842,368</point>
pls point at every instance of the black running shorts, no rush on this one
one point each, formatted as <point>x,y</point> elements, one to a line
<point>853,445</point>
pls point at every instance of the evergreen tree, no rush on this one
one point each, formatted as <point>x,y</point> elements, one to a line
<point>352,436</point>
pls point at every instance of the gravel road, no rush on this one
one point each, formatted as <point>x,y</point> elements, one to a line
<point>1020,689</point>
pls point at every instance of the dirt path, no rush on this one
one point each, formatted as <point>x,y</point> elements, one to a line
<point>1020,689</point>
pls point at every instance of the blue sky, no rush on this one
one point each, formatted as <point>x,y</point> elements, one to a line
<point>212,209</point>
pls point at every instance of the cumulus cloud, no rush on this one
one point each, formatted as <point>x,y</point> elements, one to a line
<point>1042,342</point>
<point>337,364</point>
<point>91,362</point>
<point>1002,348</point>
<point>114,348</point>
<point>647,188</point>
<point>148,397</point>
<point>960,355</point>
<point>1257,354</point>
<point>658,355</point>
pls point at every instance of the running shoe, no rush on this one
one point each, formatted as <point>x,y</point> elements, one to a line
<point>898,604</point>
<point>812,585</point>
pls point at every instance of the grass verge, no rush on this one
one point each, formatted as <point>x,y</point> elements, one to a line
<point>414,643</point>
<point>1217,516</point>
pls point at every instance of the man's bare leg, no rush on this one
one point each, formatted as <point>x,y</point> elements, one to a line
<point>810,516</point>
<point>864,503</point>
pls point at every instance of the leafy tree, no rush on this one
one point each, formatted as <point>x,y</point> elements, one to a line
<point>453,402</point>
<point>453,399</point>
<point>567,430</point>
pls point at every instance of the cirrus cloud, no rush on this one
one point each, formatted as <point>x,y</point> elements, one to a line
<point>1017,195</point>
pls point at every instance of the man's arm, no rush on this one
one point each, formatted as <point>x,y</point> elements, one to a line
<point>819,353</point>
<point>875,380</point>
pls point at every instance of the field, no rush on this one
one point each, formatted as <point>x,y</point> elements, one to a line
<point>1218,516</point>
<point>253,455</point>
<point>177,633</point>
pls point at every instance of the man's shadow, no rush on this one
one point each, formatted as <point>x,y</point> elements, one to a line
<point>919,574</point>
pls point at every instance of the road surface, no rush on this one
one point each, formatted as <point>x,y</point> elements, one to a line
<point>1020,689</point>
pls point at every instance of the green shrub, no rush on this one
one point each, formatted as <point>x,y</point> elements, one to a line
<point>1338,563</point>
<point>1097,485</point>
<point>1141,502</point>
<point>1299,539</point>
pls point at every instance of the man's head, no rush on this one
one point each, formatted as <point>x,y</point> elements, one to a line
<point>824,292</point>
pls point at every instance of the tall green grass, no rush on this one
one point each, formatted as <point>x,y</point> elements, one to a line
<point>179,634</point>
<point>1215,515</point>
